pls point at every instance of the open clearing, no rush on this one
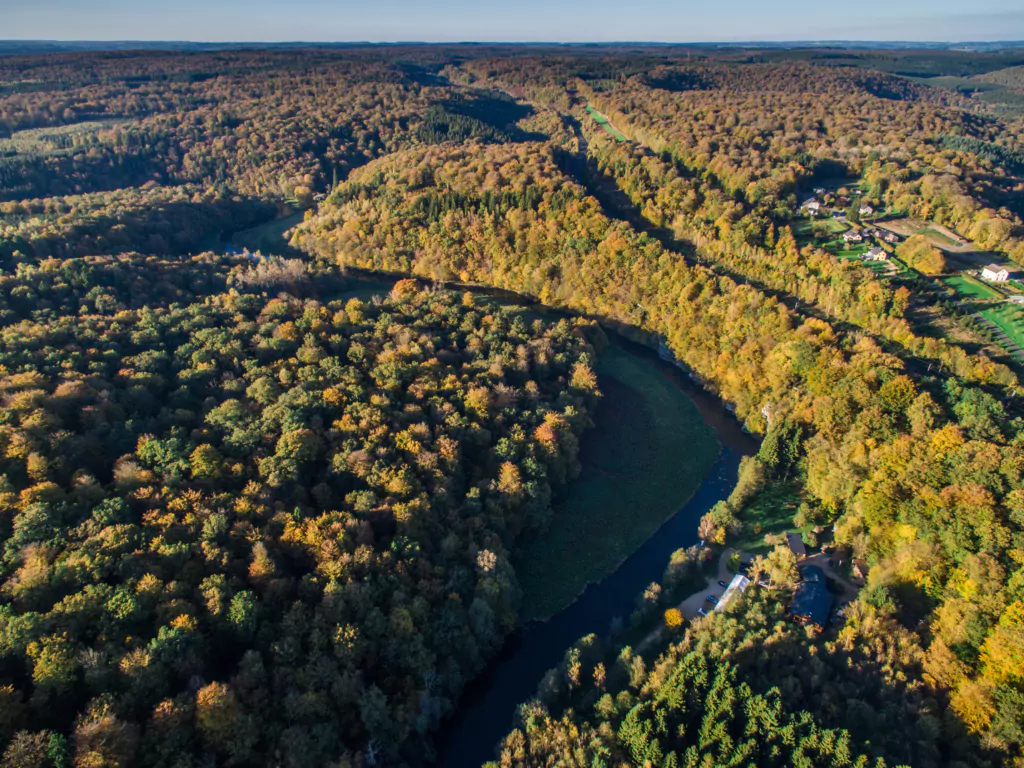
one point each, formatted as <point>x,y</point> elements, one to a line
<point>603,122</point>
<point>770,512</point>
<point>53,140</point>
<point>972,288</point>
<point>269,237</point>
<point>803,229</point>
<point>647,455</point>
<point>936,234</point>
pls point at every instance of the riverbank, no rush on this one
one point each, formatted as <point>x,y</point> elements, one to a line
<point>487,710</point>
<point>648,453</point>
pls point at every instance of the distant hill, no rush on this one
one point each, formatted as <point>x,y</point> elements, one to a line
<point>9,47</point>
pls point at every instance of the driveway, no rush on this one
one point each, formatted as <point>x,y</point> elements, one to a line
<point>697,600</point>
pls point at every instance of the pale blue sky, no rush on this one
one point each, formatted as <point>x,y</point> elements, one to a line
<point>514,20</point>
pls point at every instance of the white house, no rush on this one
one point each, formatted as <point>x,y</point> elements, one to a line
<point>866,210</point>
<point>876,254</point>
<point>853,237</point>
<point>811,205</point>
<point>995,273</point>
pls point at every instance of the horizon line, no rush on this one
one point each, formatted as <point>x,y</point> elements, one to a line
<point>797,41</point>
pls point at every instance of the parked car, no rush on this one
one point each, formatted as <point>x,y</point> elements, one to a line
<point>722,584</point>
<point>712,599</point>
<point>702,612</point>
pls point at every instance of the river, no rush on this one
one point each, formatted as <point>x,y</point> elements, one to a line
<point>487,709</point>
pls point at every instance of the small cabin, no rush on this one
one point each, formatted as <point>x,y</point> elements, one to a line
<point>796,544</point>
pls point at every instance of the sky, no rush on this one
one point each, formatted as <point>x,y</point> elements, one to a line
<point>512,20</point>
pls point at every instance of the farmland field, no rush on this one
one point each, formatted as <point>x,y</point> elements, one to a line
<point>936,234</point>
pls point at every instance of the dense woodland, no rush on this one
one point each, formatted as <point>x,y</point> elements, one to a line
<point>233,526</point>
<point>746,687</point>
<point>246,520</point>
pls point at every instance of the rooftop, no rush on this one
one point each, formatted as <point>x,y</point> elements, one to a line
<point>796,543</point>
<point>737,585</point>
<point>812,574</point>
<point>811,603</point>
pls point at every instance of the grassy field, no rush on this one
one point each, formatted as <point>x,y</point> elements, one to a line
<point>803,227</point>
<point>1010,318</point>
<point>771,511</point>
<point>647,455</point>
<point>935,234</point>
<point>270,237</point>
<point>603,122</point>
<point>852,252</point>
<point>938,238</point>
<point>972,288</point>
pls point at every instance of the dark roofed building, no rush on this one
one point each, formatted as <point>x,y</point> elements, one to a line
<point>796,543</point>
<point>811,603</point>
<point>812,573</point>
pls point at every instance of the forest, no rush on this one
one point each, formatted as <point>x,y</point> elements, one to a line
<point>250,516</point>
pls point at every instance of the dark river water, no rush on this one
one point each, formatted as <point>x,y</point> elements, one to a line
<point>487,709</point>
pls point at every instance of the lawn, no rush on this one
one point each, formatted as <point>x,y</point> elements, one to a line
<point>648,454</point>
<point>853,252</point>
<point>603,122</point>
<point>1010,318</point>
<point>802,229</point>
<point>771,511</point>
<point>269,237</point>
<point>972,288</point>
